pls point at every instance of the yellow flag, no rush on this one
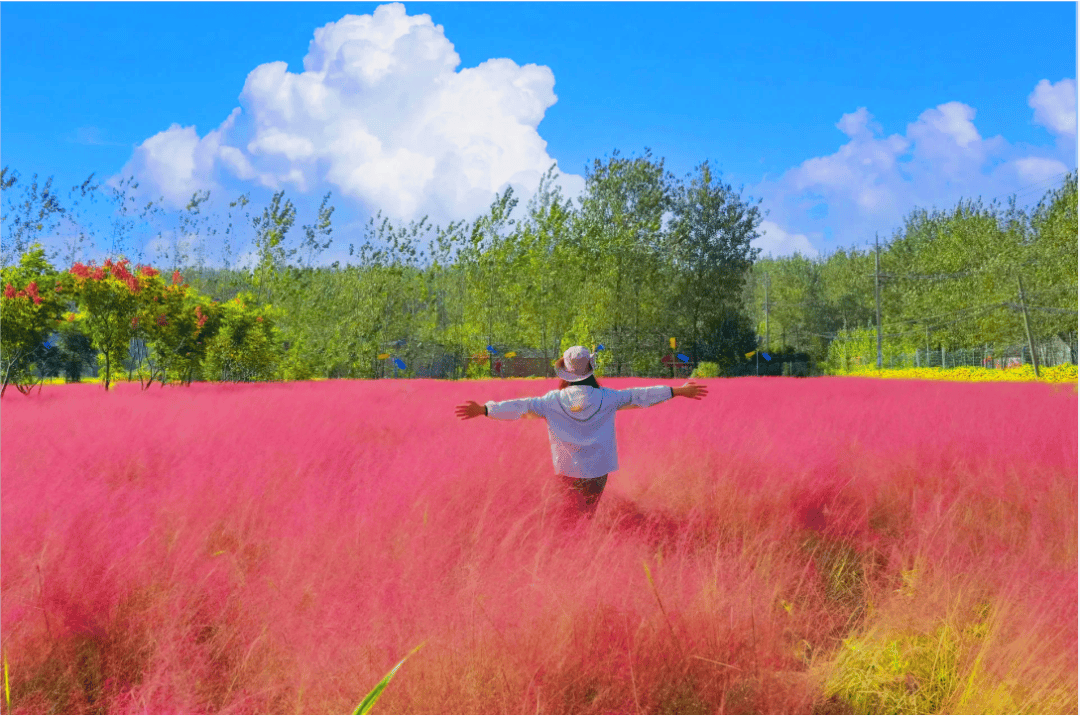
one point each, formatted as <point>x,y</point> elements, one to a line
<point>511,354</point>
<point>672,343</point>
<point>384,356</point>
<point>751,354</point>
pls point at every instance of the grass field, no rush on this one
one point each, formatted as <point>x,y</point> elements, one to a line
<point>785,545</point>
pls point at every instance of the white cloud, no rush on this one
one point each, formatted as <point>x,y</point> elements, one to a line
<point>1039,169</point>
<point>379,114</point>
<point>1055,106</point>
<point>777,242</point>
<point>873,181</point>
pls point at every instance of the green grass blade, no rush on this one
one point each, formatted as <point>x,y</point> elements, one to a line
<point>373,695</point>
<point>7,689</point>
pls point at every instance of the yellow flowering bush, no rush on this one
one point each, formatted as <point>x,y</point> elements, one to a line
<point>1065,373</point>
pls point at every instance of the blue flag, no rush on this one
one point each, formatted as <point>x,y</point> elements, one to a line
<point>683,358</point>
<point>600,348</point>
<point>399,363</point>
<point>766,356</point>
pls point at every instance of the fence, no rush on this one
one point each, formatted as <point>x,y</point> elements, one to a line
<point>1049,353</point>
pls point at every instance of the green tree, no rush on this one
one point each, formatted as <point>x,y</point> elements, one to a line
<point>547,270</point>
<point>271,228</point>
<point>179,328</point>
<point>114,307</point>
<point>709,244</point>
<point>33,300</point>
<point>618,237</point>
<point>246,346</point>
<point>36,212</point>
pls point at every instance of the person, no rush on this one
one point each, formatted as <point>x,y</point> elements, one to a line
<point>580,418</point>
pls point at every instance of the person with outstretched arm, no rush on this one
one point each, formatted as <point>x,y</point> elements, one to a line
<point>580,417</point>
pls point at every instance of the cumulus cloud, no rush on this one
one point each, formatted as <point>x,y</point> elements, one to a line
<point>774,241</point>
<point>1055,106</point>
<point>872,181</point>
<point>380,114</point>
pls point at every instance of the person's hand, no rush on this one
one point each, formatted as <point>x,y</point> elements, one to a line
<point>469,410</point>
<point>690,389</point>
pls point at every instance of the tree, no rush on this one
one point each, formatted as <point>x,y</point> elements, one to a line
<point>618,238</point>
<point>321,229</point>
<point>179,327</point>
<point>36,212</point>
<point>270,231</point>
<point>547,271</point>
<point>709,245</point>
<point>115,307</point>
<point>245,347</point>
<point>33,300</point>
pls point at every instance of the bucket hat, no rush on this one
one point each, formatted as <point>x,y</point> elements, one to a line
<point>579,364</point>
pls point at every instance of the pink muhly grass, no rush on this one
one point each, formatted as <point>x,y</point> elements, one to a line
<point>278,548</point>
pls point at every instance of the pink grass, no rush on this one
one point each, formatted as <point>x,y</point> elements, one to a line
<point>278,548</point>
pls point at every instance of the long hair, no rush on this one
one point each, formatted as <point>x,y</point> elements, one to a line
<point>590,381</point>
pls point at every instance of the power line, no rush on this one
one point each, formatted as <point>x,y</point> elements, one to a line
<point>1041,308</point>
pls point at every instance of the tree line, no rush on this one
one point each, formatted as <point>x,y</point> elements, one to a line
<point>955,278</point>
<point>641,256</point>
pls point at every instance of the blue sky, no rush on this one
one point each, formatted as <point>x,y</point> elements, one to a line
<point>841,117</point>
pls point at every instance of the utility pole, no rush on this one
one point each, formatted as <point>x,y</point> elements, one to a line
<point>877,296</point>
<point>1027,327</point>
<point>766,310</point>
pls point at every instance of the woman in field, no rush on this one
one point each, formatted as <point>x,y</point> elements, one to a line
<point>581,422</point>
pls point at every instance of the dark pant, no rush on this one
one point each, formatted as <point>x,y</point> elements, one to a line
<point>583,495</point>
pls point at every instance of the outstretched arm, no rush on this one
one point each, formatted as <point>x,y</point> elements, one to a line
<point>690,389</point>
<point>632,398</point>
<point>503,410</point>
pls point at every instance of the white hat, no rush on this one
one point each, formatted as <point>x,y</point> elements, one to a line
<point>579,364</point>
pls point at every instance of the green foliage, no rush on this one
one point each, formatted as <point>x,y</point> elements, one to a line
<point>34,299</point>
<point>858,349</point>
<point>179,328</point>
<point>706,369</point>
<point>709,242</point>
<point>116,307</point>
<point>27,218</point>
<point>245,346</point>
<point>623,277</point>
<point>71,354</point>
<point>271,229</point>
<point>605,270</point>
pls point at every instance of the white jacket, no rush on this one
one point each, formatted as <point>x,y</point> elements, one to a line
<point>581,423</point>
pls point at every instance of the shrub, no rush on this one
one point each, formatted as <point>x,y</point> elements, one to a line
<point>706,369</point>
